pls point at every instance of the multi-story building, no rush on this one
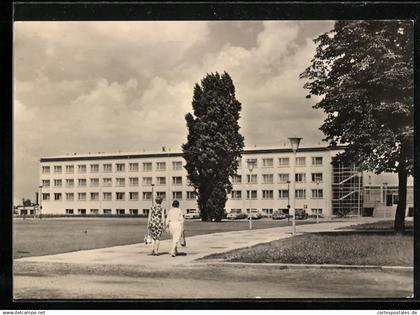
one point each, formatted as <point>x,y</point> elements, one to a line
<point>125,183</point>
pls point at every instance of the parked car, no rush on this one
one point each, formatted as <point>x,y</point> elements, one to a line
<point>236,215</point>
<point>255,215</point>
<point>300,214</point>
<point>192,215</point>
<point>279,215</point>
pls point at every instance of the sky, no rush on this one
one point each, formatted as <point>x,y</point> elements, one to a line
<point>126,86</point>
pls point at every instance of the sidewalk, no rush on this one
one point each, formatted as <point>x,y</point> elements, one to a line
<point>197,247</point>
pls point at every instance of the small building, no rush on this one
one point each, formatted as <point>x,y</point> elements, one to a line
<point>26,210</point>
<point>381,195</point>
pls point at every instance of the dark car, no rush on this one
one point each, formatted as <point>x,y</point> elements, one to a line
<point>300,214</point>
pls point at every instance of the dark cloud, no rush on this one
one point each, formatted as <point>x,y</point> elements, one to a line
<point>311,30</point>
<point>236,34</point>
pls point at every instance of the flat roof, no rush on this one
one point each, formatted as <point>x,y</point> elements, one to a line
<point>134,155</point>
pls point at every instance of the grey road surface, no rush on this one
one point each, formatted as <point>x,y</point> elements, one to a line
<point>216,282</point>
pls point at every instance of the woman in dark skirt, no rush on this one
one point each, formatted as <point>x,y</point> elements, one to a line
<point>156,224</point>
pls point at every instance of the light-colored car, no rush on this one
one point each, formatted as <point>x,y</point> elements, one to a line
<point>192,215</point>
<point>279,215</point>
<point>236,215</point>
<point>255,215</point>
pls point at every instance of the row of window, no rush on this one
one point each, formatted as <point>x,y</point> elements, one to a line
<point>107,196</point>
<point>266,211</point>
<point>147,195</point>
<point>161,166</point>
<point>285,161</point>
<point>282,178</point>
<point>107,182</point>
<point>282,194</point>
<point>177,180</point>
<point>108,167</point>
<point>107,211</point>
<point>270,211</point>
<point>117,211</point>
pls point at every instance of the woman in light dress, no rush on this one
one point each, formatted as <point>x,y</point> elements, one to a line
<point>175,223</point>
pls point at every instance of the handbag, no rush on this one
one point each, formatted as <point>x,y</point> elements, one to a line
<point>147,239</point>
<point>182,240</point>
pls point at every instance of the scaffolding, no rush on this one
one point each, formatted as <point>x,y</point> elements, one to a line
<point>347,188</point>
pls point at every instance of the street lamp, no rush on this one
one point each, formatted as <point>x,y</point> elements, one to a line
<point>251,165</point>
<point>100,198</point>
<point>360,195</point>
<point>288,200</point>
<point>317,181</point>
<point>386,199</point>
<point>40,201</point>
<point>294,142</point>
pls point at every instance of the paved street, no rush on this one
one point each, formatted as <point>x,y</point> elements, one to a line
<point>129,272</point>
<point>200,281</point>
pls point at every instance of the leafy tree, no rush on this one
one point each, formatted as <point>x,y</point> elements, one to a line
<point>214,143</point>
<point>26,202</point>
<point>363,70</point>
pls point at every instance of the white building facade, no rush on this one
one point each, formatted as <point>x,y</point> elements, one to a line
<point>267,187</point>
<point>126,183</point>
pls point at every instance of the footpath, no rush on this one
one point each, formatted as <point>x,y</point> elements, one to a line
<point>197,247</point>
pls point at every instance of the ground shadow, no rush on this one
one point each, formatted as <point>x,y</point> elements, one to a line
<point>158,254</point>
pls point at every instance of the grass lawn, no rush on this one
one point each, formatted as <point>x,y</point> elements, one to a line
<point>371,244</point>
<point>34,237</point>
<point>385,225</point>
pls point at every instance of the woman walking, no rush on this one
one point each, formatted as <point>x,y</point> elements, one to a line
<point>155,224</point>
<point>175,223</point>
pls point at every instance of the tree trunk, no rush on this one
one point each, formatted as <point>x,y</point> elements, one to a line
<point>203,206</point>
<point>402,201</point>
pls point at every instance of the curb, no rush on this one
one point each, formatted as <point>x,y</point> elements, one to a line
<point>22,269</point>
<point>312,266</point>
<point>62,268</point>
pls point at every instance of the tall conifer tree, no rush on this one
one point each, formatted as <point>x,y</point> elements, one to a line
<point>214,143</point>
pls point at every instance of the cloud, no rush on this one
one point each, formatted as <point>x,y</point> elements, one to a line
<point>22,113</point>
<point>110,86</point>
<point>267,84</point>
<point>113,50</point>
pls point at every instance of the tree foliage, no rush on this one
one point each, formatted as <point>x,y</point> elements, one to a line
<point>363,70</point>
<point>26,202</point>
<point>214,143</point>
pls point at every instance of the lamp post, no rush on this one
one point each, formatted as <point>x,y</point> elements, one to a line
<point>251,165</point>
<point>360,195</point>
<point>317,181</point>
<point>288,200</point>
<point>153,199</point>
<point>386,199</point>
<point>40,201</point>
<point>294,142</point>
<point>100,197</point>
